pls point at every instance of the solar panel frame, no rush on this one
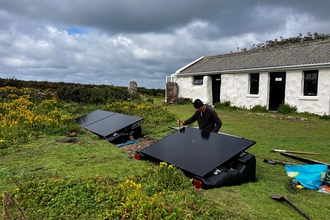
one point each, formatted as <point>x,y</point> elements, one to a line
<point>195,151</point>
<point>93,117</point>
<point>106,123</point>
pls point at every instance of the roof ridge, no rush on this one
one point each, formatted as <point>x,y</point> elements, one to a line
<point>274,48</point>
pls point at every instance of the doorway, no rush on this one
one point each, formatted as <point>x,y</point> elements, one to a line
<point>216,85</point>
<point>276,90</point>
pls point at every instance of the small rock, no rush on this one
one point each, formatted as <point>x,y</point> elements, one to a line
<point>72,134</point>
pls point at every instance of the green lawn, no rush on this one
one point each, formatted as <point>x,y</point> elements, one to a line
<point>88,156</point>
<point>271,130</point>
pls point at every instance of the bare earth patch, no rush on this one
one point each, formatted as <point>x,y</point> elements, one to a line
<point>132,148</point>
<point>129,148</point>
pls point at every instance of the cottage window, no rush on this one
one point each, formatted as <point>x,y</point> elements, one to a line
<point>254,83</point>
<point>198,80</point>
<point>310,82</point>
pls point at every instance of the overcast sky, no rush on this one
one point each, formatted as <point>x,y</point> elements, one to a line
<point>117,41</point>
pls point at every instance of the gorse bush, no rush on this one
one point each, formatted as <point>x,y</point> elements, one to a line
<point>153,115</point>
<point>8,93</point>
<point>22,120</point>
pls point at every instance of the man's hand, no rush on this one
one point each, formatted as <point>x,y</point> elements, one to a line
<point>180,122</point>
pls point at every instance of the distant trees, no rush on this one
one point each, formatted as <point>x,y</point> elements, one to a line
<point>287,41</point>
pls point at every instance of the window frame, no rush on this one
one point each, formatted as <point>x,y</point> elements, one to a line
<point>254,79</point>
<point>311,78</point>
<point>198,80</point>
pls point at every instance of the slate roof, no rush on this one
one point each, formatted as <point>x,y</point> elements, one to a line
<point>306,53</point>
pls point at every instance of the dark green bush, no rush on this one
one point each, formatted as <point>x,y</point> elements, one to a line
<point>151,92</point>
<point>259,108</point>
<point>150,100</point>
<point>182,101</point>
<point>325,117</point>
<point>286,109</point>
<point>222,105</point>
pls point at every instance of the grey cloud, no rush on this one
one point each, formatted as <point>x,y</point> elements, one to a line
<point>140,16</point>
<point>140,40</point>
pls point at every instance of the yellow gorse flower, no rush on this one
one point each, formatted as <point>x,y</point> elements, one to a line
<point>19,115</point>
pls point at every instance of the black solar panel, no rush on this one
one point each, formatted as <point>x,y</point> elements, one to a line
<point>93,117</point>
<point>105,123</point>
<point>195,151</point>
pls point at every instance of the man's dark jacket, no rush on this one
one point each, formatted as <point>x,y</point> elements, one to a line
<point>207,121</point>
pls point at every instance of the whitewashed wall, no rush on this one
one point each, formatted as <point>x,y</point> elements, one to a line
<point>235,88</point>
<point>319,104</point>
<point>188,90</point>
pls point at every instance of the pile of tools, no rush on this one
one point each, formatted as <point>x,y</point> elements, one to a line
<point>291,154</point>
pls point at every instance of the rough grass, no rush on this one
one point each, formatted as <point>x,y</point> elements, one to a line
<point>272,130</point>
<point>59,157</point>
<point>87,156</point>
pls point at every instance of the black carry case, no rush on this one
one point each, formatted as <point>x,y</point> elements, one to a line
<point>241,169</point>
<point>245,164</point>
<point>123,135</point>
<point>118,138</point>
<point>136,131</point>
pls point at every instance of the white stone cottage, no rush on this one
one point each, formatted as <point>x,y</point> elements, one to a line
<point>297,74</point>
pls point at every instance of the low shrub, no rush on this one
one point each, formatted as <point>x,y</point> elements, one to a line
<point>182,101</point>
<point>259,108</point>
<point>150,100</point>
<point>222,105</point>
<point>161,192</point>
<point>23,118</point>
<point>153,115</point>
<point>225,105</point>
<point>324,117</point>
<point>287,109</point>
